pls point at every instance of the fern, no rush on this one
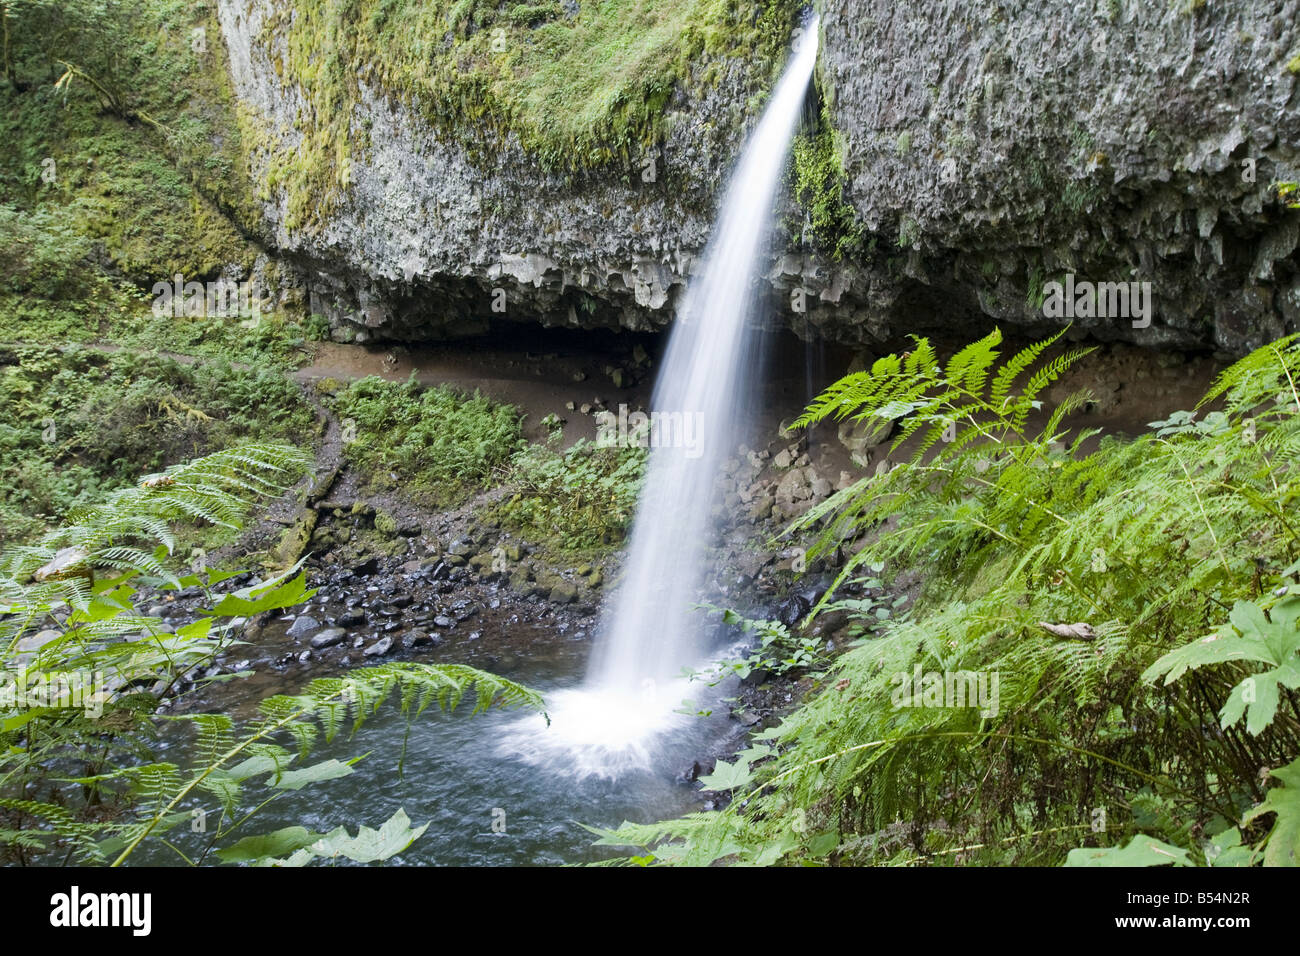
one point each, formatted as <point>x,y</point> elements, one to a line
<point>1147,543</point>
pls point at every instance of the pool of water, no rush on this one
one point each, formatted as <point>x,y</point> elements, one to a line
<point>491,786</point>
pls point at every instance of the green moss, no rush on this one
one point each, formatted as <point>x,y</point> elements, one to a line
<point>151,182</point>
<point>385,524</point>
<point>818,187</point>
<point>1293,67</point>
<point>578,92</point>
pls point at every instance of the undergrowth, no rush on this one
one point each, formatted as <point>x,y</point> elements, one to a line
<point>1133,609</point>
<point>436,443</point>
<point>79,421</point>
<point>580,497</point>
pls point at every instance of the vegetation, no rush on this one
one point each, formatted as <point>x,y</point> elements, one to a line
<point>80,421</point>
<point>437,443</point>
<point>1137,604</point>
<point>79,781</point>
<point>580,86</point>
<point>580,498</point>
<point>819,189</point>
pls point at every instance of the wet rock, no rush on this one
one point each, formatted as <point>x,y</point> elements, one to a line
<point>303,626</point>
<point>859,437</point>
<point>443,621</point>
<point>419,566</point>
<point>304,657</point>
<point>365,567</point>
<point>329,637</point>
<point>379,648</point>
<point>28,646</point>
<point>419,638</point>
<point>351,619</point>
<point>409,529</point>
<point>461,548</point>
<point>792,489</point>
<point>562,592</point>
<point>762,506</point>
<point>793,609</point>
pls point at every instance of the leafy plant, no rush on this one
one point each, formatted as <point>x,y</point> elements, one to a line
<point>1072,574</point>
<point>582,496</point>
<point>436,441</point>
<point>777,650</point>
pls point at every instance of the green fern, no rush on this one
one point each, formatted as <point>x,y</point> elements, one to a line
<point>1146,544</point>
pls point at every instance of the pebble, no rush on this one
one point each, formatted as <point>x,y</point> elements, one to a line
<point>379,648</point>
<point>328,638</point>
<point>303,626</point>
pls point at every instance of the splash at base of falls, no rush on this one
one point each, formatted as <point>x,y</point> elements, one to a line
<point>595,732</point>
<point>606,732</point>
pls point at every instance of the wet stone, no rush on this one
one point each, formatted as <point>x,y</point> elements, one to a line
<point>328,638</point>
<point>303,626</point>
<point>379,648</point>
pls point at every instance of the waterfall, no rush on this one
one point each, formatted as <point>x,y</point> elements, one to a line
<point>705,384</point>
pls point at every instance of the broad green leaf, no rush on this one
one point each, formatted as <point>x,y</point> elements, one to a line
<point>264,599</point>
<point>1142,850</point>
<point>256,766</point>
<point>268,845</point>
<point>728,776</point>
<point>198,628</point>
<point>326,770</point>
<point>1283,848</point>
<point>369,846</point>
<point>1225,850</point>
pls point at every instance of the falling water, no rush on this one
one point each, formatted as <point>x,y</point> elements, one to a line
<point>705,385</point>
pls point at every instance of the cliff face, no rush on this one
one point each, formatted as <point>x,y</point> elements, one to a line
<point>987,151</point>
<point>1014,143</point>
